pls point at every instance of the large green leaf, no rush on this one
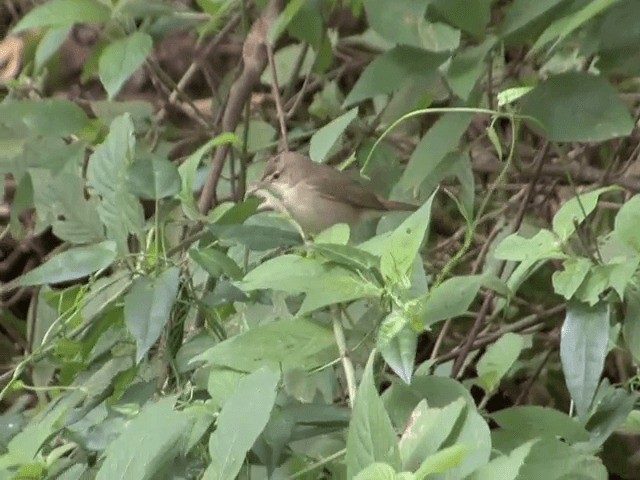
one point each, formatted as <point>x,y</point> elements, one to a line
<point>467,67</point>
<point>505,467</point>
<point>583,348</point>
<point>147,444</point>
<point>60,201</point>
<point>471,17</point>
<point>442,138</point>
<point>497,360</point>
<point>71,264</point>
<point>121,58</point>
<point>450,299</point>
<point>119,210</point>
<point>627,221</point>
<point>239,423</point>
<point>283,344</point>
<point>398,21</point>
<point>154,178</point>
<point>59,13</point>
<point>51,118</point>
<point>577,107</point>
<point>371,437</point>
<point>427,430</point>
<point>147,308</point>
<point>400,350</point>
<point>574,211</point>
<point>327,136</point>
<point>392,69</point>
<point>403,245</point>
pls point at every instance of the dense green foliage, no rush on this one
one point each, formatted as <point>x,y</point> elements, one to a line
<point>494,333</point>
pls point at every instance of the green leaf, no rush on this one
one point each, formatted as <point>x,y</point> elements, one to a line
<point>403,244</point>
<point>471,17</point>
<point>497,360</point>
<point>49,45</point>
<point>327,136</point>
<point>398,21</point>
<point>51,118</point>
<point>147,308</point>
<point>567,282</point>
<point>427,430</point>
<point>241,420</point>
<point>631,327</point>
<point>189,167</point>
<point>627,221</point>
<point>577,107</point>
<point>323,284</point>
<point>216,263</point>
<point>71,265</point>
<point>371,437</point>
<point>121,58</point>
<point>377,471</point>
<point>468,66</point>
<point>611,410</point>
<point>564,26</point>
<point>400,350</point>
<point>442,138</point>
<point>119,210</point>
<point>283,20</point>
<point>60,201</point>
<point>148,443</point>
<point>153,179</point>
<point>284,345</point>
<point>257,237</point>
<point>542,246</point>
<point>347,255</point>
<point>450,299</point>
<point>617,275</point>
<point>389,71</point>
<point>583,347</point>
<point>442,461</point>
<point>551,458</point>
<point>524,13</point>
<point>60,13</point>
<point>574,211</point>
<point>505,467</point>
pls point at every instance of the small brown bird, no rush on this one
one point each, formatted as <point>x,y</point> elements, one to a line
<point>317,196</point>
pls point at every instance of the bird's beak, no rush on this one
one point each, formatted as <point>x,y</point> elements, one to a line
<point>259,190</point>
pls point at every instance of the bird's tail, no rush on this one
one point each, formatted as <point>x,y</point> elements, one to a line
<point>393,205</point>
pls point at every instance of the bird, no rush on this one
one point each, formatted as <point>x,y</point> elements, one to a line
<point>317,196</point>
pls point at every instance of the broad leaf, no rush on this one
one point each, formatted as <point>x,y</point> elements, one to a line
<point>327,136</point>
<point>147,444</point>
<point>400,351</point>
<point>627,221</point>
<point>442,138</point>
<point>154,178</point>
<point>71,265</point>
<point>578,107</point>
<point>283,345</point>
<point>583,348</point>
<point>403,244</point>
<point>574,211</point>
<point>497,360</point>
<point>121,58</point>
<point>391,70</point>
<point>119,210</point>
<point>239,423</point>
<point>371,437</point>
<point>398,21</point>
<point>60,13</point>
<point>450,299</point>
<point>147,307</point>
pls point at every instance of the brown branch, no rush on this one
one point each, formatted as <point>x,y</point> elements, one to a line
<point>254,59</point>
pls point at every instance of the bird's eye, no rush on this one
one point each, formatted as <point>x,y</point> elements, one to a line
<point>276,175</point>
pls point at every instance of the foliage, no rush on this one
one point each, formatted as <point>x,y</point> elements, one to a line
<point>196,343</point>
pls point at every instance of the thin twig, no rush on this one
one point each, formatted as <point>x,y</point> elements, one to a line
<point>275,89</point>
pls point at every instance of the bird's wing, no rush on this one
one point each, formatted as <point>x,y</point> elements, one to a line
<point>339,186</point>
